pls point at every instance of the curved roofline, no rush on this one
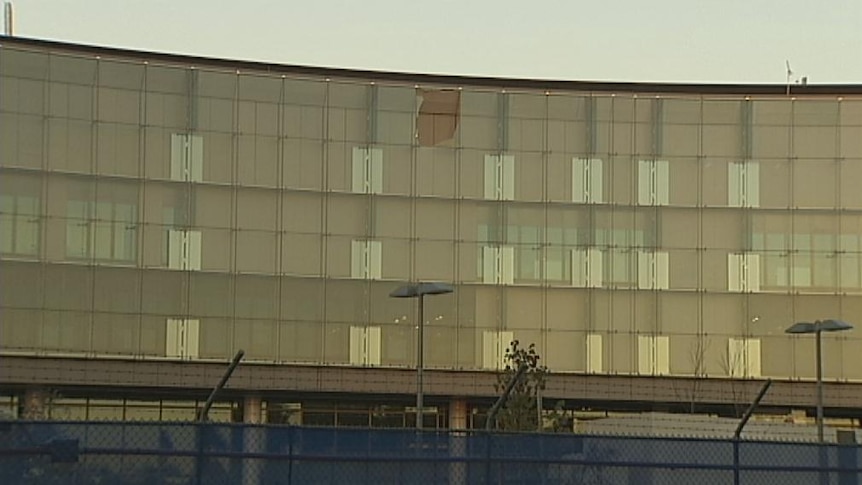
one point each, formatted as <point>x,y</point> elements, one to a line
<point>441,79</point>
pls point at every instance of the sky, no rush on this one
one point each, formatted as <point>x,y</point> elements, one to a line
<point>698,41</point>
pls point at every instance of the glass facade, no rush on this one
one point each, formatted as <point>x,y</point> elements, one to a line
<point>157,210</point>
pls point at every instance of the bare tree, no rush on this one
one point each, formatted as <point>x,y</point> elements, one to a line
<point>690,391</point>
<point>519,413</point>
<point>731,363</point>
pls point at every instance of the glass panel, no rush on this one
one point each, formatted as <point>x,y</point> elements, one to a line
<point>715,182</point>
<point>814,184</point>
<point>397,169</point>
<point>258,160</point>
<point>260,88</point>
<point>217,337</point>
<point>257,338</point>
<point>678,228</point>
<point>165,79</point>
<point>216,247</point>
<point>303,163</point>
<point>349,215</point>
<point>435,220</point>
<point>256,296</point>
<point>300,342</point>
<point>301,254</point>
<point>209,294</point>
<point>117,290</point>
<point>256,251</point>
<point>723,229</point>
<point>395,128</point>
<point>115,333</point>
<point>71,101</point>
<point>217,161</point>
<point>435,171</point>
<point>392,218</point>
<point>117,150</point>
<point>850,177</point>
<point>22,140</point>
<point>256,209</point>
<point>24,63</point>
<point>684,271</point>
<point>77,229</point>
<point>302,299</point>
<point>67,331</point>
<point>435,261</point>
<point>118,105</point>
<point>162,294</point>
<point>20,329</point>
<point>212,207</point>
<point>23,96</point>
<point>347,113</point>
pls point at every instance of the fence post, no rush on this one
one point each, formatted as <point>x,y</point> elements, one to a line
<point>823,463</point>
<point>289,455</point>
<point>487,457</point>
<point>199,460</point>
<point>737,434</point>
<point>736,460</point>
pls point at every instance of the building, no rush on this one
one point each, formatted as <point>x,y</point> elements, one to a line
<point>160,212</point>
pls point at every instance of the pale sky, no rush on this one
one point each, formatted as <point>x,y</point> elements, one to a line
<point>710,41</point>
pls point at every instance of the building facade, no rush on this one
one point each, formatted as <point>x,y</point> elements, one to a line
<point>175,209</point>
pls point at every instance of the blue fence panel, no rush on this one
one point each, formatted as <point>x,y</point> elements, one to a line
<point>196,454</point>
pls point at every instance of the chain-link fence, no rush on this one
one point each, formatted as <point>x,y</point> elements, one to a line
<point>193,454</point>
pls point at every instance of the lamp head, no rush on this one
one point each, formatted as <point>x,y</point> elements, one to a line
<point>419,289</point>
<point>819,325</point>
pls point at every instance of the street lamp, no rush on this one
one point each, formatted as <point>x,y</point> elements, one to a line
<point>419,290</point>
<point>817,328</point>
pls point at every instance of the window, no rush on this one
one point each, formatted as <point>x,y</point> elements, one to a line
<point>367,170</point>
<point>19,225</point>
<point>587,268</point>
<point>182,338</point>
<point>587,180</point>
<point>365,345</point>
<point>743,272</point>
<point>653,352</point>
<point>494,345</point>
<point>184,249</point>
<point>743,184</point>
<point>619,268</point>
<point>652,270</point>
<point>851,271</point>
<point>498,264</point>
<point>528,251</point>
<point>187,154</point>
<point>105,231</point>
<point>653,182</point>
<point>822,262</point>
<point>743,357</point>
<point>366,260</point>
<point>594,353</point>
<point>558,253</point>
<point>555,264</point>
<point>499,177</point>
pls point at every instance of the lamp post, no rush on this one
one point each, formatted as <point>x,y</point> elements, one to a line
<point>419,290</point>
<point>817,328</point>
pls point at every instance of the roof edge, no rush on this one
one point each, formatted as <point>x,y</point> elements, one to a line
<point>439,79</point>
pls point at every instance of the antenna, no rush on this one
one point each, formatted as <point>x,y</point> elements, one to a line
<point>7,19</point>
<point>789,73</point>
